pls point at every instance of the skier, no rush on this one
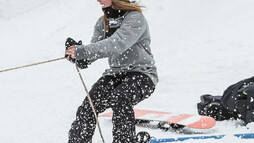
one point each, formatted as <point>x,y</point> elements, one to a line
<point>121,35</point>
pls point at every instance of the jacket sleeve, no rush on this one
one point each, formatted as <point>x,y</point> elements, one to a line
<point>132,28</point>
<point>98,31</point>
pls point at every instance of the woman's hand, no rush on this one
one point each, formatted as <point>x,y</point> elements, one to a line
<point>70,51</point>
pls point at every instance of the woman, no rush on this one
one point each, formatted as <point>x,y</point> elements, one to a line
<point>121,35</point>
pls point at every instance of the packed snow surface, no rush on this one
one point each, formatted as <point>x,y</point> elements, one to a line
<point>200,47</point>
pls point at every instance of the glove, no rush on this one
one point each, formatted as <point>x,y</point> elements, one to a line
<point>82,64</point>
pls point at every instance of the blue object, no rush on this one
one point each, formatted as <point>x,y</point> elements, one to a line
<point>242,136</point>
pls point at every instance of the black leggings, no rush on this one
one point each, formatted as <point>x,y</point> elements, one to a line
<point>120,92</point>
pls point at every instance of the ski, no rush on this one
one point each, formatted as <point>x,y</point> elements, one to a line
<point>167,140</point>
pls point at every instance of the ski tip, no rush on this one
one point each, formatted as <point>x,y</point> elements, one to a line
<point>205,122</point>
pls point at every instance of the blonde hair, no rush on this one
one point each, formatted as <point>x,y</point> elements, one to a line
<point>122,5</point>
<point>126,5</point>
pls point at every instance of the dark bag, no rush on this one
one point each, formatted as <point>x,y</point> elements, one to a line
<point>236,102</point>
<point>212,106</point>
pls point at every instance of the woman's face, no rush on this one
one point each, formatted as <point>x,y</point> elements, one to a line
<point>105,3</point>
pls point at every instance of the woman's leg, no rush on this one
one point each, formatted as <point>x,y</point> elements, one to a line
<point>83,127</point>
<point>134,88</point>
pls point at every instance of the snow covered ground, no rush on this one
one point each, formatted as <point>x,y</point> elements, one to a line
<point>200,46</point>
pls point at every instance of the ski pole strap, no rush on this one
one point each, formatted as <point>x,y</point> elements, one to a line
<point>34,64</point>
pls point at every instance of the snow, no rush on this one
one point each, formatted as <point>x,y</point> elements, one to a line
<point>200,47</point>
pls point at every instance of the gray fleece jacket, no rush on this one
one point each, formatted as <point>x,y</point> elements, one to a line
<point>127,50</point>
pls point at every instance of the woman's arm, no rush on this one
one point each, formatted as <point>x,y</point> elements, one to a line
<point>98,32</point>
<point>126,36</point>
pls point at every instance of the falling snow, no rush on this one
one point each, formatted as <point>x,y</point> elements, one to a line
<point>200,47</point>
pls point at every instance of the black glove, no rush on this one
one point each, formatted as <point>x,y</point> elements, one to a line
<point>80,63</point>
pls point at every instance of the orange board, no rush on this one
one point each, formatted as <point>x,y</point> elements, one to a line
<point>188,120</point>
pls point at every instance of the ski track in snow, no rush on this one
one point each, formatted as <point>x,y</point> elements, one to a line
<point>200,47</point>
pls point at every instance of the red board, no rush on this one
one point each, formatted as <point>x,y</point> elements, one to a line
<point>188,120</point>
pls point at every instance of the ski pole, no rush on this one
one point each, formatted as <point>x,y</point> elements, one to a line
<point>91,103</point>
<point>34,64</point>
